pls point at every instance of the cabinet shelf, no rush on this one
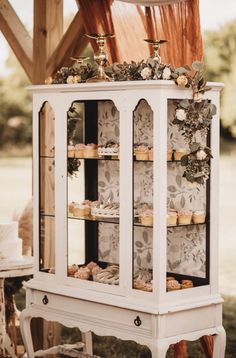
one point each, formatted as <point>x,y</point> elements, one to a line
<point>108,157</point>
<point>95,219</point>
<point>183,225</point>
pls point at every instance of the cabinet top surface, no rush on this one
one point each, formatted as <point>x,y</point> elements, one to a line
<point>115,86</point>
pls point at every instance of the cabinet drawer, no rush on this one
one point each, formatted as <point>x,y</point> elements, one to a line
<point>92,310</point>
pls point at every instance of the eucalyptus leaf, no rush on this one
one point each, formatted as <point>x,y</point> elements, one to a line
<point>197,66</point>
<point>171,188</point>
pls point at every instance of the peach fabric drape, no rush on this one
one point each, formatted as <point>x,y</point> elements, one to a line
<point>178,23</point>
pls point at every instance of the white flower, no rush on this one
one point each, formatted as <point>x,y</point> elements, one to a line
<point>197,97</point>
<point>166,73</point>
<point>77,79</point>
<point>146,73</point>
<point>201,155</point>
<point>70,79</point>
<point>182,81</point>
<point>180,114</point>
<point>48,80</point>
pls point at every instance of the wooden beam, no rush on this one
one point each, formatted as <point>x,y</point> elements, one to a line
<point>17,36</point>
<point>48,30</point>
<point>72,44</point>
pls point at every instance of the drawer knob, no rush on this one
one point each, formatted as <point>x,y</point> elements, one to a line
<point>137,321</point>
<point>45,300</point>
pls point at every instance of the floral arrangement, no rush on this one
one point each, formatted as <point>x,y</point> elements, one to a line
<point>191,115</point>
<point>196,163</point>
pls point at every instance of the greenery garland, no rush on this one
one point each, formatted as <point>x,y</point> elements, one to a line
<point>191,116</point>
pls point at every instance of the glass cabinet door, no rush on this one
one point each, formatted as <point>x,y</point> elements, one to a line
<point>46,189</point>
<point>187,215</point>
<point>93,191</point>
<point>142,197</point>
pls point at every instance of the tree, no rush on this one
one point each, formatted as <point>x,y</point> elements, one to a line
<point>15,106</point>
<point>220,61</point>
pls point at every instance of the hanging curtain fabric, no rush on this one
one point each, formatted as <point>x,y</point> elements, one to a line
<point>152,2</point>
<point>97,17</point>
<point>178,23</point>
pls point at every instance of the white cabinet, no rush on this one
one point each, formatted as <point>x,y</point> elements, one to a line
<point>129,184</point>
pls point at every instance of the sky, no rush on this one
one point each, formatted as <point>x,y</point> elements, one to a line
<point>214,13</point>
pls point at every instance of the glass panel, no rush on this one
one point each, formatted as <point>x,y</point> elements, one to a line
<point>93,191</point>
<point>187,206</point>
<point>46,190</point>
<point>143,197</point>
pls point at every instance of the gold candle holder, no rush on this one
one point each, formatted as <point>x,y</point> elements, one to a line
<point>100,57</point>
<point>79,60</point>
<point>155,45</point>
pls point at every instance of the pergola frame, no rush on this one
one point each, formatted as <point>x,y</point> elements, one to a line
<point>49,49</point>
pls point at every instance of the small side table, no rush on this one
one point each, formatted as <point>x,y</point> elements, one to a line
<point>10,269</point>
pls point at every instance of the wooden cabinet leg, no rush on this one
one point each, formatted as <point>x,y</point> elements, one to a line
<point>219,343</point>
<point>25,320</point>
<point>87,339</point>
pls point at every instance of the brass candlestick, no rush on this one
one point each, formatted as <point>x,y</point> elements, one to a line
<point>79,60</point>
<point>100,57</point>
<point>155,45</point>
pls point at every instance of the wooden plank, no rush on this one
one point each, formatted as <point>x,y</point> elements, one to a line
<point>48,30</point>
<point>18,38</point>
<point>47,131</point>
<point>72,43</point>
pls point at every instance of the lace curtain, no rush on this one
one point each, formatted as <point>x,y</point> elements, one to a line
<point>179,23</point>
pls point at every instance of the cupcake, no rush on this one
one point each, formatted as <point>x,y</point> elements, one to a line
<point>186,284</point>
<point>81,209</point>
<point>71,151</point>
<point>95,270</point>
<point>71,207</point>
<point>172,285</point>
<point>169,152</point>
<point>72,269</point>
<point>79,150</point>
<point>199,216</point>
<point>90,150</point>
<point>142,152</point>
<point>172,218</point>
<point>179,153</point>
<point>184,217</point>
<point>169,278</point>
<point>150,154</point>
<point>83,273</point>
<point>147,217</point>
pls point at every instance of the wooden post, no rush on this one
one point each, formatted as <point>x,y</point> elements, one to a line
<point>48,31</point>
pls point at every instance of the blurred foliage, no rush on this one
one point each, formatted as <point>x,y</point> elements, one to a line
<point>220,64</point>
<point>15,107</point>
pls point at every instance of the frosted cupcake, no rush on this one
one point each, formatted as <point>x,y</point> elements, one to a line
<point>142,152</point>
<point>71,207</point>
<point>150,154</point>
<point>172,218</point>
<point>71,151</point>
<point>90,150</point>
<point>172,285</point>
<point>186,284</point>
<point>72,269</point>
<point>199,217</point>
<point>83,273</point>
<point>184,217</point>
<point>147,217</point>
<point>81,209</point>
<point>180,152</point>
<point>169,152</point>
<point>79,150</point>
